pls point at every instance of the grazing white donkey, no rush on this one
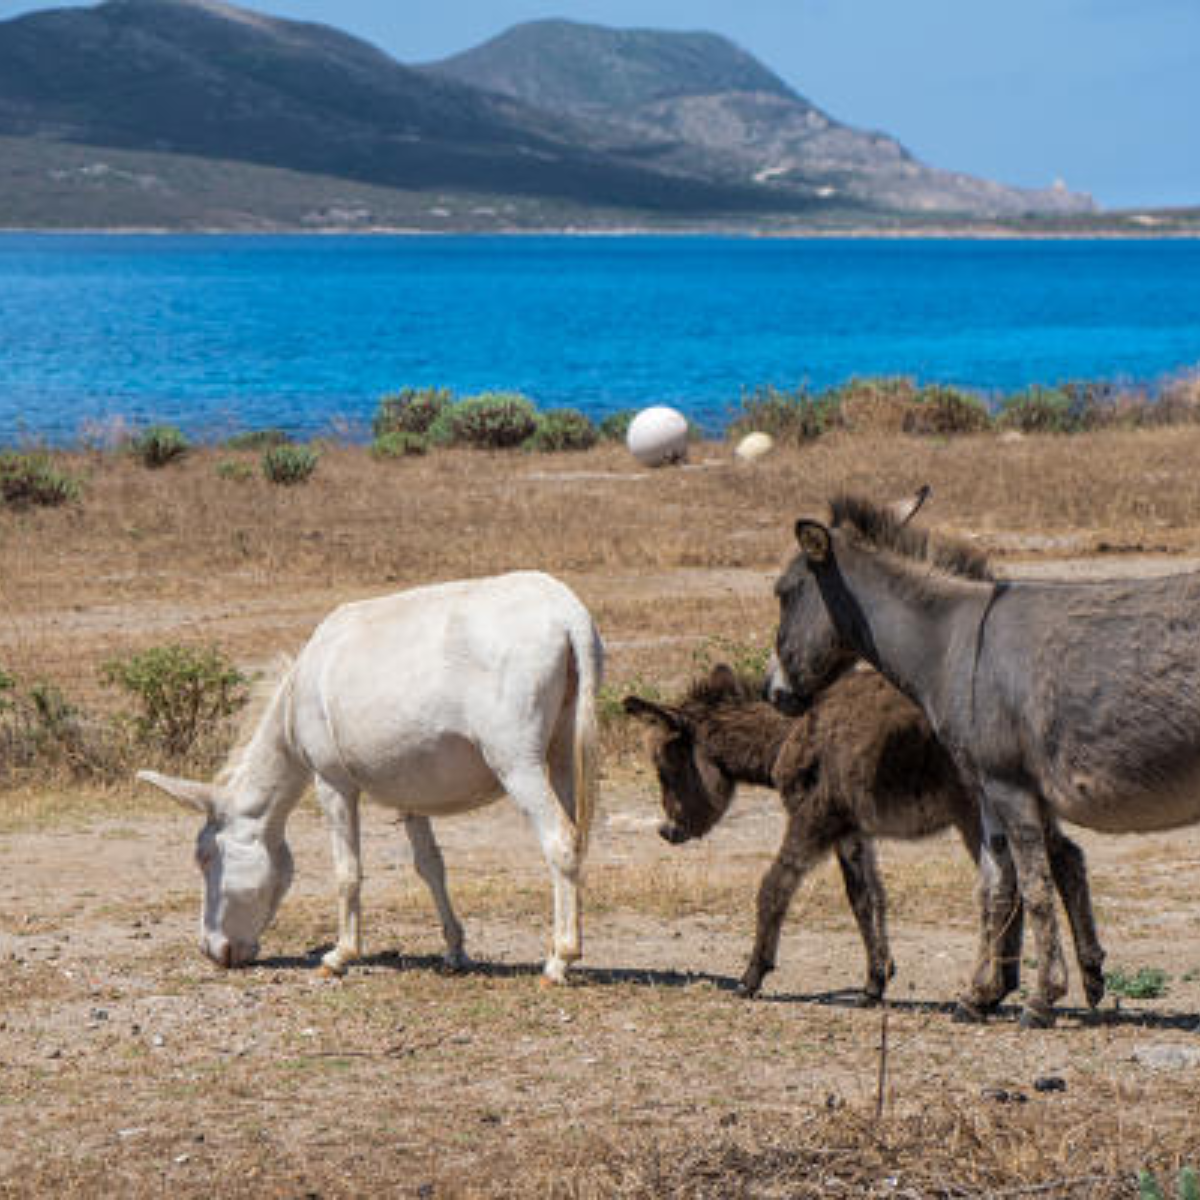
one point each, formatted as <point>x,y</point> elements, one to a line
<point>434,701</point>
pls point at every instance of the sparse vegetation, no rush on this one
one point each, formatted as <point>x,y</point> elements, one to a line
<point>258,439</point>
<point>33,481</point>
<point>289,465</point>
<point>1146,983</point>
<point>615,426</point>
<point>235,470</point>
<point>159,445</point>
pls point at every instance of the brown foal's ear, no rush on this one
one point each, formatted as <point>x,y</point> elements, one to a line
<point>654,714</point>
<point>908,508</point>
<point>814,541</point>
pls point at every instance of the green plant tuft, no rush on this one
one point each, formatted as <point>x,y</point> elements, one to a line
<point>489,421</point>
<point>289,465</point>
<point>563,429</point>
<point>789,417</point>
<point>159,445</point>
<point>234,470</point>
<point>616,425</point>
<point>1146,983</point>
<point>32,480</point>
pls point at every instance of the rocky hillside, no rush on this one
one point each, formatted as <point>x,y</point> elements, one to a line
<point>694,103</point>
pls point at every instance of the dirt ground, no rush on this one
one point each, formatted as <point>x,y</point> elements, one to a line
<point>130,1066</point>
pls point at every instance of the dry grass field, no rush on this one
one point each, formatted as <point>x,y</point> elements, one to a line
<point>128,1066</point>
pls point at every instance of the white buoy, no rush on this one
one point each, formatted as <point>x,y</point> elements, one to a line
<point>657,436</point>
<point>753,447</point>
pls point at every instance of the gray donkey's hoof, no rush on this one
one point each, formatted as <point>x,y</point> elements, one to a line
<point>747,991</point>
<point>1037,1016</point>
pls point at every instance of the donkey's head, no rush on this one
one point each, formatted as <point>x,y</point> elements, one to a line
<point>245,875</point>
<point>695,791</point>
<point>821,628</point>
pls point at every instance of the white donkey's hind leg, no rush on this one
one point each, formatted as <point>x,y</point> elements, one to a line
<point>531,792</point>
<point>341,815</point>
<point>427,858</point>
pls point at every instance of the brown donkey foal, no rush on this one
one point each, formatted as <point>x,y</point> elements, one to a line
<point>861,763</point>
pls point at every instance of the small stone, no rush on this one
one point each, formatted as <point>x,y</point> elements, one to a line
<point>728,1119</point>
<point>99,1014</point>
<point>180,1159</point>
<point>1004,1096</point>
<point>158,1040</point>
<point>1049,1083</point>
<point>54,1052</point>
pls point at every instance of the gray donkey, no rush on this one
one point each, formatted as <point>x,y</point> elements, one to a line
<point>1080,700</point>
<point>861,763</point>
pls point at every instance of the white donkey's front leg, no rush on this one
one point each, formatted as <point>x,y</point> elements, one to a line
<point>341,815</point>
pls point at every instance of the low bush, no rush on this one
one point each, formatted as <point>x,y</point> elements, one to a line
<point>563,429</point>
<point>184,694</point>
<point>412,410</point>
<point>42,733</point>
<point>399,444</point>
<point>32,480</point>
<point>159,445</point>
<point>489,421</point>
<point>942,411</point>
<point>258,439</point>
<point>616,425</point>
<point>289,465</point>
<point>789,417</point>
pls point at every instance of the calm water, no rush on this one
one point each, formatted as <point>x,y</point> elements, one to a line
<point>216,333</point>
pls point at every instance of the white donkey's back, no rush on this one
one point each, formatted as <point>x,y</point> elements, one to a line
<point>433,701</point>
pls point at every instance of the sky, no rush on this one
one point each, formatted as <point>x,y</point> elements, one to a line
<point>1103,94</point>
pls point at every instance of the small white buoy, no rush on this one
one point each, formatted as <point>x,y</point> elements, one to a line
<point>753,447</point>
<point>657,436</point>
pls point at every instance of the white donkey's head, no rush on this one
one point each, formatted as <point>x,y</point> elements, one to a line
<point>246,874</point>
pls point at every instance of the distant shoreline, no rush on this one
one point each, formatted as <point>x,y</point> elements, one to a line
<point>943,233</point>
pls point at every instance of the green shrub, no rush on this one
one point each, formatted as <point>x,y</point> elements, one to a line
<point>159,445</point>
<point>289,465</point>
<point>183,693</point>
<point>258,439</point>
<point>399,444</point>
<point>563,429</point>
<point>42,732</point>
<point>616,425</point>
<point>32,480</point>
<point>941,411</point>
<point>789,417</point>
<point>411,410</point>
<point>489,421</point>
<point>1039,410</point>
<point>234,470</point>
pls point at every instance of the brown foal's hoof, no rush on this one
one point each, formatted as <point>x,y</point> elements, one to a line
<point>1093,988</point>
<point>747,991</point>
<point>968,1012</point>
<point>1037,1016</point>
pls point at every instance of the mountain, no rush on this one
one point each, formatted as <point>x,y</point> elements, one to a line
<point>202,78</point>
<point>696,104</point>
<point>197,113</point>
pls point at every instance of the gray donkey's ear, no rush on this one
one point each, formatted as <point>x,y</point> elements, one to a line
<point>654,714</point>
<point>904,510</point>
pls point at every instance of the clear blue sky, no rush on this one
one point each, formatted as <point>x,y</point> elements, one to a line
<point>1104,93</point>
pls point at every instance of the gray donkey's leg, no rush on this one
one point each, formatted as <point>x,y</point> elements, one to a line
<point>1070,877</point>
<point>868,900</point>
<point>802,848</point>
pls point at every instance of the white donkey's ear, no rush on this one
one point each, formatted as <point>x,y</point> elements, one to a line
<point>904,510</point>
<point>201,797</point>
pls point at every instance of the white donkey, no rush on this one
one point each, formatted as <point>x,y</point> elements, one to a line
<point>434,701</point>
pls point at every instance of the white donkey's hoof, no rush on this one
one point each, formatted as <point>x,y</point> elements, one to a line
<point>554,972</point>
<point>334,964</point>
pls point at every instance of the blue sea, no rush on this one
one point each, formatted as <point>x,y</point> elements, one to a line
<point>219,333</point>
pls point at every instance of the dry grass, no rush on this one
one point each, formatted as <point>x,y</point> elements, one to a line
<point>649,1079</point>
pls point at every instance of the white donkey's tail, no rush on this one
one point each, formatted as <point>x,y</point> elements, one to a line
<point>588,651</point>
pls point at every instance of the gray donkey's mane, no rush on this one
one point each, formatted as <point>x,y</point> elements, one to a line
<point>880,528</point>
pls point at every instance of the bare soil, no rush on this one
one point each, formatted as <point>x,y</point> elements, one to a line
<point>129,1066</point>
